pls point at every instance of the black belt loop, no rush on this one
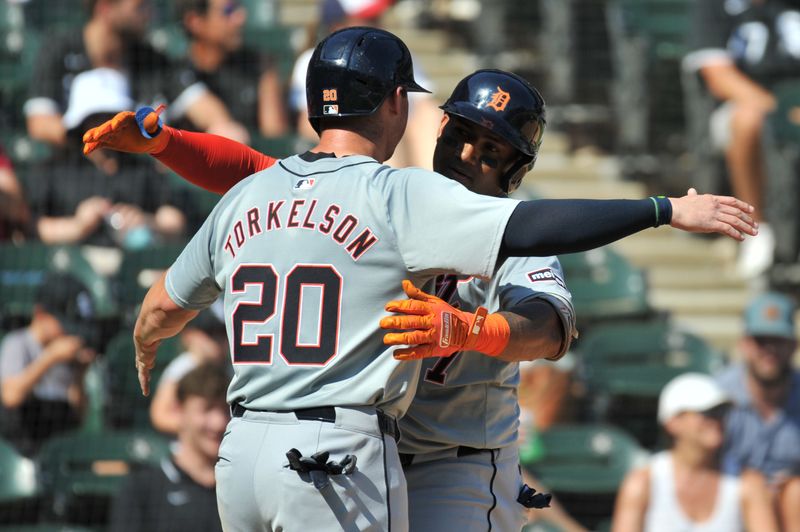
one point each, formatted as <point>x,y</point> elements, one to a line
<point>388,426</point>
<point>406,459</point>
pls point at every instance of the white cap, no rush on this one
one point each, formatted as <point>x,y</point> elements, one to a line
<point>690,392</point>
<point>102,90</point>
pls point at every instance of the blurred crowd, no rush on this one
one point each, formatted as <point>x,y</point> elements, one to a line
<point>669,445</point>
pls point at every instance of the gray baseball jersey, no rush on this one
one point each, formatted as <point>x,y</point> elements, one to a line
<point>307,253</point>
<point>470,399</point>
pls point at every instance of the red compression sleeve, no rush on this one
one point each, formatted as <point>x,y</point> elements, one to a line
<point>210,161</point>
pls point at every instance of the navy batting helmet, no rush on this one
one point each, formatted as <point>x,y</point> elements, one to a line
<point>507,105</point>
<point>353,70</point>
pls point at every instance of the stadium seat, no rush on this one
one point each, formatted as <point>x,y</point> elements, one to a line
<point>19,489</point>
<point>140,269</point>
<point>95,388</point>
<point>639,358</point>
<point>126,406</point>
<point>584,465</point>
<point>23,267</point>
<point>782,158</point>
<point>604,286</point>
<point>625,366</point>
<point>50,17</point>
<point>542,526</point>
<point>648,41</point>
<point>81,472</point>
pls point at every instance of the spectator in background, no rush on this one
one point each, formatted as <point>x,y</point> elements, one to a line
<point>14,212</point>
<point>763,429</point>
<point>112,39</point>
<point>110,198</point>
<point>180,494</point>
<point>416,147</point>
<point>206,342</point>
<point>740,48</point>
<point>247,82</point>
<point>683,487</point>
<point>42,366</point>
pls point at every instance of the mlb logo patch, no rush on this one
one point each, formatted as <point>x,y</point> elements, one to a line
<point>304,184</point>
<point>330,109</point>
<point>546,274</point>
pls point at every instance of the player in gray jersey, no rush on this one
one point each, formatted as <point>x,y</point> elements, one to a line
<point>316,232</point>
<point>459,448</point>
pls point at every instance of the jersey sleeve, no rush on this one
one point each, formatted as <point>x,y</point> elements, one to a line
<point>525,279</point>
<point>440,226</point>
<point>209,161</point>
<point>190,281</point>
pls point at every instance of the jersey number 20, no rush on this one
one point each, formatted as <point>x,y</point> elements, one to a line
<point>293,351</point>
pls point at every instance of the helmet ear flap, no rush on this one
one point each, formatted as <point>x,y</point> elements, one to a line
<point>513,177</point>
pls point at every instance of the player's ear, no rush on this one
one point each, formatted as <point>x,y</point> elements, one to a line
<point>398,101</point>
<point>442,124</point>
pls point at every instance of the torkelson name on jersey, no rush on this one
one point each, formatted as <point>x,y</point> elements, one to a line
<point>299,215</point>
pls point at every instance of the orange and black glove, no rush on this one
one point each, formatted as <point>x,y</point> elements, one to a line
<point>139,132</point>
<point>433,328</point>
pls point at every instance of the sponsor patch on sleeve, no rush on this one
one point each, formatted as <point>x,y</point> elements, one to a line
<point>546,274</point>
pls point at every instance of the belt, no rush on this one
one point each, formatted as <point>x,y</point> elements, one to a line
<point>386,423</point>
<point>407,459</point>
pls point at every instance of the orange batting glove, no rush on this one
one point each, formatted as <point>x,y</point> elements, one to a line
<point>139,132</point>
<point>433,328</point>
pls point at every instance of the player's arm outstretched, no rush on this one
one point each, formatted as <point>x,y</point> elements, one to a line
<point>538,227</point>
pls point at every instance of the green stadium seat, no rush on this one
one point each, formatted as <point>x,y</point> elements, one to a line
<point>48,16</point>
<point>81,472</point>
<point>23,267</point>
<point>786,129</point>
<point>19,487</point>
<point>625,365</point>
<point>140,269</point>
<point>639,358</point>
<point>781,142</point>
<point>542,526</point>
<point>648,41</point>
<point>17,475</point>
<point>604,286</point>
<point>126,406</point>
<point>584,465</point>
<point>94,387</point>
<point>585,458</point>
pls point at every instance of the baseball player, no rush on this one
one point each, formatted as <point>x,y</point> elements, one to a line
<point>702,213</point>
<point>462,474</point>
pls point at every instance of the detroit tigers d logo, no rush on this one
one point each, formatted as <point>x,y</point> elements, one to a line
<point>500,99</point>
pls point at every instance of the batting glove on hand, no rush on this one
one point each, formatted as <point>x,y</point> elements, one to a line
<point>139,132</point>
<point>435,329</point>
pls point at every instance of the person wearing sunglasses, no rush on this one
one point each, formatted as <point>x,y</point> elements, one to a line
<point>683,488</point>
